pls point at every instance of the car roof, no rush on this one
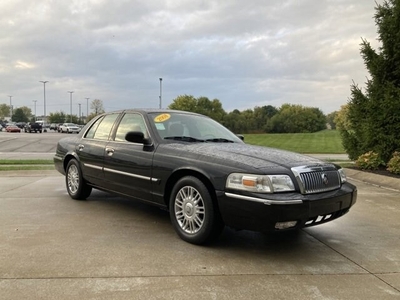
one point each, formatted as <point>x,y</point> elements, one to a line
<point>152,110</point>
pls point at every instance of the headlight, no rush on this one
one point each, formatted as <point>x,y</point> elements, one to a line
<point>343,177</point>
<point>260,183</point>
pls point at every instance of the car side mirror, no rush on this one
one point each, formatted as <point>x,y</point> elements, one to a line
<point>240,136</point>
<point>137,137</point>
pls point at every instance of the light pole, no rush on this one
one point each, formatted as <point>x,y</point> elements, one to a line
<point>87,107</point>
<point>160,91</point>
<point>11,109</point>
<point>79,113</point>
<point>34,101</point>
<point>44,101</point>
<point>70,104</point>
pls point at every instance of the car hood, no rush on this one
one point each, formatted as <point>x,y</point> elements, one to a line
<point>253,156</point>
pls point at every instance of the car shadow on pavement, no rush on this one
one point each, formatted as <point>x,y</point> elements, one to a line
<point>122,208</point>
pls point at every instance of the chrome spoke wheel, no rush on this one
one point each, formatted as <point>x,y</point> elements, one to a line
<point>193,213</point>
<point>77,187</point>
<point>73,179</point>
<point>189,209</point>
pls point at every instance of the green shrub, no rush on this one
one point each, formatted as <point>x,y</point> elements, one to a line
<point>393,165</point>
<point>369,161</point>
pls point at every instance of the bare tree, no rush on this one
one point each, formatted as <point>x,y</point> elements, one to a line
<point>97,106</point>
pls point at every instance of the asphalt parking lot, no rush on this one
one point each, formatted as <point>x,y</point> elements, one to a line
<point>29,145</point>
<point>53,247</point>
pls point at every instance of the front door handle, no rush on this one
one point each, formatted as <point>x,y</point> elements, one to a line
<point>109,151</point>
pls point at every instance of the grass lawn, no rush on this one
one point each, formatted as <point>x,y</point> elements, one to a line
<point>26,164</point>
<point>325,141</point>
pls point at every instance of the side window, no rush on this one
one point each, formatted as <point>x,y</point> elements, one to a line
<point>130,122</point>
<point>105,127</point>
<point>90,133</point>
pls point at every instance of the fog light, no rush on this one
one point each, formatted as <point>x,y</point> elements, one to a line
<point>285,225</point>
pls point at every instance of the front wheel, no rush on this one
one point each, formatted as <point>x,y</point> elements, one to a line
<point>194,215</point>
<point>76,186</point>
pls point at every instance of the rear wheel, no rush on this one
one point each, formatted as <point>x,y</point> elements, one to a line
<point>193,213</point>
<point>76,186</point>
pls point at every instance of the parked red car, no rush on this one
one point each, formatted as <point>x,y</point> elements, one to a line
<point>13,128</point>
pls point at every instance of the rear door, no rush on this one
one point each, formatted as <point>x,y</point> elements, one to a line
<point>91,148</point>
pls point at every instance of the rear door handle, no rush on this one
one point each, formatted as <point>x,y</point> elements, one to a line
<point>109,151</point>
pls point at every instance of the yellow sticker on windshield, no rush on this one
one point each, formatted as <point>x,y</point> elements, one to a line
<point>162,118</point>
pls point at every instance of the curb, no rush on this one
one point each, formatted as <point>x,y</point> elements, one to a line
<point>30,173</point>
<point>382,181</point>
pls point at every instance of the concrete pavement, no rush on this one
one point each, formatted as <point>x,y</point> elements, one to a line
<point>53,247</point>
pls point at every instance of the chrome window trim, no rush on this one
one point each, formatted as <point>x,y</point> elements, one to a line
<point>125,142</point>
<point>264,201</point>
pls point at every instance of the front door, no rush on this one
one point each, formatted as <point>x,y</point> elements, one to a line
<point>127,165</point>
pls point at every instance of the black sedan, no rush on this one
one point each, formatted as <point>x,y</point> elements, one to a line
<point>205,175</point>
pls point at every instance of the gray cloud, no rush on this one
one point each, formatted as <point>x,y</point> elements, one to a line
<point>245,54</point>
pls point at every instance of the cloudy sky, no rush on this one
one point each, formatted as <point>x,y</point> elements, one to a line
<point>244,53</point>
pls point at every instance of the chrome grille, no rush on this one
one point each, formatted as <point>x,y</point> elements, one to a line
<point>317,178</point>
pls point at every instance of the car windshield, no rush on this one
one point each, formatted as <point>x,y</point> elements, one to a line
<point>191,128</point>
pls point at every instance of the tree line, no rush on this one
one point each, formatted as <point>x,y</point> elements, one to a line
<point>289,118</point>
<point>24,114</point>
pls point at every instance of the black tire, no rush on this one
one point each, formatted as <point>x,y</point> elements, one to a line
<point>194,215</point>
<point>76,186</point>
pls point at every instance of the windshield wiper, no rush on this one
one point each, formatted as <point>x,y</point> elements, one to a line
<point>219,140</point>
<point>183,138</point>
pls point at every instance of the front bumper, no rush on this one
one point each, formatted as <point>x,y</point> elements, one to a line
<point>263,214</point>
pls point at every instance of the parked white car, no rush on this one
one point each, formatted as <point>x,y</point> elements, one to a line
<point>69,128</point>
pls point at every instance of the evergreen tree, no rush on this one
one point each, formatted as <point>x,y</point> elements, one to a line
<point>374,115</point>
<point>20,116</point>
